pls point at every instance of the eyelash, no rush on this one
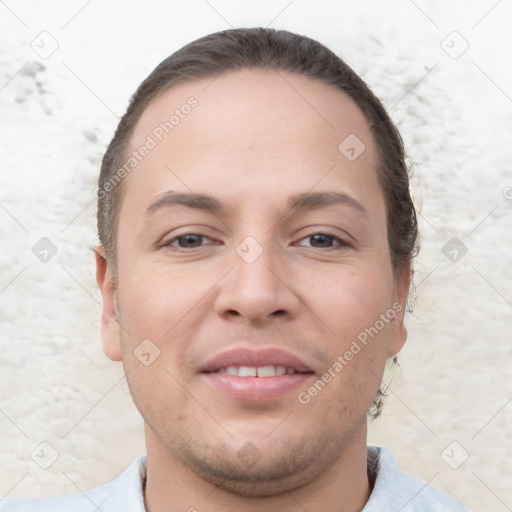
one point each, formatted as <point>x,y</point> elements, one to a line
<point>342,243</point>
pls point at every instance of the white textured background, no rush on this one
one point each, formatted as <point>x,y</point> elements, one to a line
<point>58,113</point>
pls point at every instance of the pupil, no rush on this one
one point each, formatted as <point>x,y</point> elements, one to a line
<point>190,240</point>
<point>323,239</point>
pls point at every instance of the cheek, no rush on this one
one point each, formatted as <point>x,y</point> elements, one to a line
<point>351,302</point>
<point>158,394</point>
<point>147,291</point>
<point>163,304</point>
<point>350,298</point>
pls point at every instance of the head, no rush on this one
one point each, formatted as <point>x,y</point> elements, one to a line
<point>255,199</point>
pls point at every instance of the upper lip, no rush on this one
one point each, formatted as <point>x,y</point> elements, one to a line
<point>257,358</point>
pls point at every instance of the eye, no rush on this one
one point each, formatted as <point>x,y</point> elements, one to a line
<point>188,241</point>
<point>195,240</point>
<point>325,241</point>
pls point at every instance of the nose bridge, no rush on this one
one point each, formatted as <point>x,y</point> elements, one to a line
<point>255,288</point>
<point>255,264</point>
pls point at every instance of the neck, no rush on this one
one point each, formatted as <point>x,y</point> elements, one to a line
<point>341,487</point>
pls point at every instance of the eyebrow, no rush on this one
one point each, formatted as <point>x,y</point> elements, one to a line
<point>302,201</point>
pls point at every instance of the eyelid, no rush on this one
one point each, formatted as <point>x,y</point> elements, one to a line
<point>184,230</point>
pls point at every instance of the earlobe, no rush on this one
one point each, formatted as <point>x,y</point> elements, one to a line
<point>110,335</point>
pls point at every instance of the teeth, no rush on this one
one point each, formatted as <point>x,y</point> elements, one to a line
<point>266,371</point>
<point>281,370</point>
<point>260,371</point>
<point>247,371</point>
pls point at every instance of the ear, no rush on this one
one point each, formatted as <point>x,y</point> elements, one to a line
<point>110,335</point>
<point>401,292</point>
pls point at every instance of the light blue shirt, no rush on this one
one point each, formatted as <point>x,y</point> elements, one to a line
<point>394,490</point>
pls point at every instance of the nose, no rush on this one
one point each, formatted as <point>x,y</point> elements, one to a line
<point>259,287</point>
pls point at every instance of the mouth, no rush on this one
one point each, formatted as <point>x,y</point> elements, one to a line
<point>248,375</point>
<point>257,371</point>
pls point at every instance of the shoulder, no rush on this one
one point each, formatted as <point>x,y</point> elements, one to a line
<point>395,489</point>
<point>124,493</point>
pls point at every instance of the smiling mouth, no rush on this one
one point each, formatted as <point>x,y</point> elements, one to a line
<point>249,375</point>
<point>257,371</point>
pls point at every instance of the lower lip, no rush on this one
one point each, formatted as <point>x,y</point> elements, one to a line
<point>256,389</point>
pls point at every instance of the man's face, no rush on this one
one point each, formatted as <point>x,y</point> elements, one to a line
<point>259,282</point>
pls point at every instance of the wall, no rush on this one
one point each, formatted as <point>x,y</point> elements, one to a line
<point>443,73</point>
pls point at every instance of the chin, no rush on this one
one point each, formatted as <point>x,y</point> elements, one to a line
<point>249,472</point>
<point>262,480</point>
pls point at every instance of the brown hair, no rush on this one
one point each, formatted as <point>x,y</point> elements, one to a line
<point>236,49</point>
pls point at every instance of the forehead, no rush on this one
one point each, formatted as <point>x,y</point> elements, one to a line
<point>252,103</point>
<point>263,128</point>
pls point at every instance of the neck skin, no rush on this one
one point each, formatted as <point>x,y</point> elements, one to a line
<point>343,487</point>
